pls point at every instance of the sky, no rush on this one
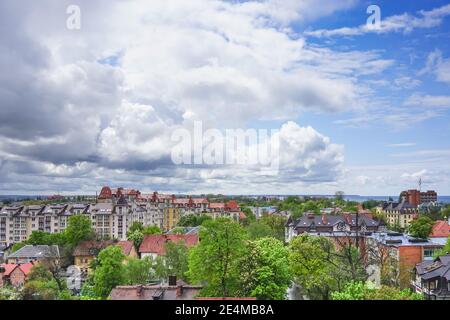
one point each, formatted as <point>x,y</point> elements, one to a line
<point>359,109</point>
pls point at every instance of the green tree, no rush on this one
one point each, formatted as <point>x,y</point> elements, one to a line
<point>257,230</point>
<point>136,237</point>
<point>109,271</point>
<point>192,220</point>
<point>149,230</point>
<point>309,261</point>
<point>78,229</point>
<point>421,227</point>
<point>276,223</point>
<point>364,291</point>
<point>265,270</point>
<point>174,262</point>
<point>214,262</point>
<point>42,284</point>
<point>136,226</point>
<point>138,271</point>
<point>444,250</point>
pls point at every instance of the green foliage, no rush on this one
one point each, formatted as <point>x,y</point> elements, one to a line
<point>250,216</point>
<point>364,291</point>
<point>265,270</point>
<point>174,262</point>
<point>257,230</point>
<point>109,271</point>
<point>10,293</point>
<point>421,227</point>
<point>276,224</point>
<point>214,262</point>
<point>444,250</point>
<point>78,229</point>
<point>149,230</point>
<point>136,237</point>
<point>42,284</point>
<point>192,220</point>
<point>310,267</point>
<point>138,271</point>
<point>135,226</point>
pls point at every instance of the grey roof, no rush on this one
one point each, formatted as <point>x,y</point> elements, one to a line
<point>36,252</point>
<point>440,267</point>
<point>186,230</point>
<point>396,239</point>
<point>306,221</point>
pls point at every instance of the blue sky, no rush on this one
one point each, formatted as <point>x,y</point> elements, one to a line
<point>360,110</point>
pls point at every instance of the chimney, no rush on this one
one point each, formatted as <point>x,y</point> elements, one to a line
<point>179,290</point>
<point>139,290</point>
<point>172,280</point>
<point>324,219</point>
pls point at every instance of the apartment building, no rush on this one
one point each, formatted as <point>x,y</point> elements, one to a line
<point>113,213</point>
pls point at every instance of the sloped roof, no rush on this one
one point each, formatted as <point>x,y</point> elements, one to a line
<point>91,247</point>
<point>157,292</point>
<point>36,252</point>
<point>127,246</point>
<point>441,229</point>
<point>156,243</point>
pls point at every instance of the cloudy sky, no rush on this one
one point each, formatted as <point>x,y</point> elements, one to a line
<point>360,110</point>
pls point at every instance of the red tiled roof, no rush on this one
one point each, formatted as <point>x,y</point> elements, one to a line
<point>26,268</point>
<point>232,205</point>
<point>242,215</point>
<point>440,229</point>
<point>106,193</point>
<point>9,267</point>
<point>156,243</point>
<point>216,205</point>
<point>127,246</point>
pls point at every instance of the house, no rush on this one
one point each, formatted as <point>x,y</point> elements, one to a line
<point>154,245</point>
<point>86,251</point>
<point>329,225</point>
<point>30,253</point>
<point>399,213</point>
<point>184,230</point>
<point>432,278</point>
<point>128,248</point>
<point>174,290</point>
<point>405,250</point>
<point>440,231</point>
<point>14,274</point>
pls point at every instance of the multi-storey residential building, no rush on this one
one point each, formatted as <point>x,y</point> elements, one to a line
<point>112,214</point>
<point>399,213</point>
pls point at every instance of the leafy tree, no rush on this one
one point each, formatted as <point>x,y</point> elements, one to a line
<point>309,261</point>
<point>149,230</point>
<point>214,262</point>
<point>249,216</point>
<point>276,223</point>
<point>78,229</point>
<point>192,220</point>
<point>174,262</point>
<point>42,284</point>
<point>444,250</point>
<point>138,271</point>
<point>421,227</point>
<point>136,237</point>
<point>365,291</point>
<point>265,270</point>
<point>135,226</point>
<point>257,230</point>
<point>10,293</point>
<point>109,271</point>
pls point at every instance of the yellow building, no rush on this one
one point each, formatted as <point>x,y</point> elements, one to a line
<point>171,218</point>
